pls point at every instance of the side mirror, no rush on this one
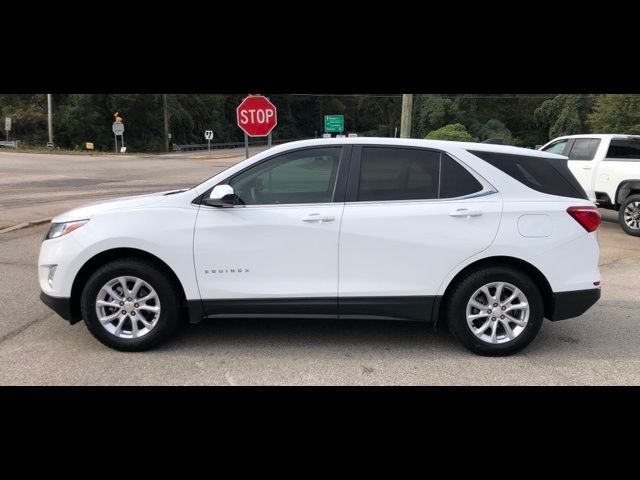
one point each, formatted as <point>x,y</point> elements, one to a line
<point>221,196</point>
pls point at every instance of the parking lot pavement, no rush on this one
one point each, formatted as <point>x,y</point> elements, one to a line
<point>34,186</point>
<point>38,348</point>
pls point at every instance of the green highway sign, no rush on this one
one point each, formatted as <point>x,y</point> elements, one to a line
<point>334,123</point>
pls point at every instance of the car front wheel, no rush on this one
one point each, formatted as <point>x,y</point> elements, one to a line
<point>130,305</point>
<point>496,311</point>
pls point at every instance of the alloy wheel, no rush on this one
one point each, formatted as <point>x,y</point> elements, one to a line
<point>128,307</point>
<point>497,312</point>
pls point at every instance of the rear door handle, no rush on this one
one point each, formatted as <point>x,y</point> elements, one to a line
<point>316,217</point>
<point>587,167</point>
<point>463,212</point>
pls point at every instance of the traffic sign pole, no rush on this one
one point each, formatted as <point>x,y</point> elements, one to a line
<point>246,145</point>
<point>208,136</point>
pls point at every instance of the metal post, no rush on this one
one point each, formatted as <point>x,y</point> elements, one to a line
<point>122,140</point>
<point>49,118</point>
<point>246,145</point>
<point>269,141</point>
<point>405,118</point>
<point>209,142</point>
<point>115,137</point>
<point>166,122</point>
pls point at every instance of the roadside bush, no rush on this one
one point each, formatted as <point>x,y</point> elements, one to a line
<point>455,132</point>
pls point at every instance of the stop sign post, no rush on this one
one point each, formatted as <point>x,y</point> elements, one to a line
<point>257,117</point>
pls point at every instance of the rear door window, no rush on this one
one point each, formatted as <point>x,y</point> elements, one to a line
<point>455,180</point>
<point>398,174</point>
<point>584,149</point>
<point>390,173</point>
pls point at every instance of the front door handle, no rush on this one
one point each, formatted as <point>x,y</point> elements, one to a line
<point>316,217</point>
<point>463,212</point>
<point>587,167</point>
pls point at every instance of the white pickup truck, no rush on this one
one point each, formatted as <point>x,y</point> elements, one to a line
<point>608,168</point>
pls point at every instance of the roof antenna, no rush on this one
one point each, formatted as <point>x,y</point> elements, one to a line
<point>494,141</point>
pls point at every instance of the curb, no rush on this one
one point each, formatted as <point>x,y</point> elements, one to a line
<point>22,225</point>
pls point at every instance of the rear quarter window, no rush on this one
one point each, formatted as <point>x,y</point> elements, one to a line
<point>546,175</point>
<point>624,149</point>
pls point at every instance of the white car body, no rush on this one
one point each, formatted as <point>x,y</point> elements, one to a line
<point>607,179</point>
<point>363,258</point>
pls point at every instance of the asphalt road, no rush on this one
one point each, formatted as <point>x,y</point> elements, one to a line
<point>36,186</point>
<point>38,348</point>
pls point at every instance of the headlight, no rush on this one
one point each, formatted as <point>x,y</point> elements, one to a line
<point>59,229</point>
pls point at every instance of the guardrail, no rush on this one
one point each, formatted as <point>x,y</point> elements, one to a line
<point>217,146</point>
<point>12,143</point>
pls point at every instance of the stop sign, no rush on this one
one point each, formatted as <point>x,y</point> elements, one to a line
<point>256,116</point>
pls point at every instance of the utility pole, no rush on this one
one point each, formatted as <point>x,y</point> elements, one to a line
<point>49,118</point>
<point>405,118</point>
<point>166,122</point>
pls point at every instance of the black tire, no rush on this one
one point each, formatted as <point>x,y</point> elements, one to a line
<point>631,231</point>
<point>456,304</point>
<point>157,278</point>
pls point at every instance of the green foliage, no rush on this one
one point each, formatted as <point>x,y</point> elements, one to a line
<point>616,114</point>
<point>430,112</point>
<point>526,120</point>
<point>29,117</point>
<point>455,131</point>
<point>564,114</point>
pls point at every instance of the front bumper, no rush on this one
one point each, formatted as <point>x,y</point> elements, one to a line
<point>60,305</point>
<point>573,304</point>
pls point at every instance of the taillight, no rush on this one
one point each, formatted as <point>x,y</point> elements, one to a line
<point>588,217</point>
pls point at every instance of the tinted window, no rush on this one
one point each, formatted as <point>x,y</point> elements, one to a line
<point>624,149</point>
<point>398,174</point>
<point>557,147</point>
<point>305,176</point>
<point>584,148</point>
<point>546,175</point>
<point>455,180</point>
<point>411,174</point>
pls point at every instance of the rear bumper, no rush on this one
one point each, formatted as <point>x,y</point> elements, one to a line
<point>60,305</point>
<point>573,304</point>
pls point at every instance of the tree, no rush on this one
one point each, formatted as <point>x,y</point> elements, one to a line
<point>564,115</point>
<point>455,131</point>
<point>430,112</point>
<point>616,114</point>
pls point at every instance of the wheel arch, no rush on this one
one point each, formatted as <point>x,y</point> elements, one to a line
<point>513,262</point>
<point>625,189</point>
<point>107,256</point>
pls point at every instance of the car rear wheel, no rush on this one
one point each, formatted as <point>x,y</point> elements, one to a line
<point>130,305</point>
<point>495,311</point>
<point>629,215</point>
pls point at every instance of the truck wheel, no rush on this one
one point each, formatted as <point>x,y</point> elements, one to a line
<point>629,215</point>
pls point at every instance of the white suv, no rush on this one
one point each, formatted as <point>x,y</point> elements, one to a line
<point>488,238</point>
<point>608,168</point>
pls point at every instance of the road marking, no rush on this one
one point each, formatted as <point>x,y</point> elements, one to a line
<point>22,225</point>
